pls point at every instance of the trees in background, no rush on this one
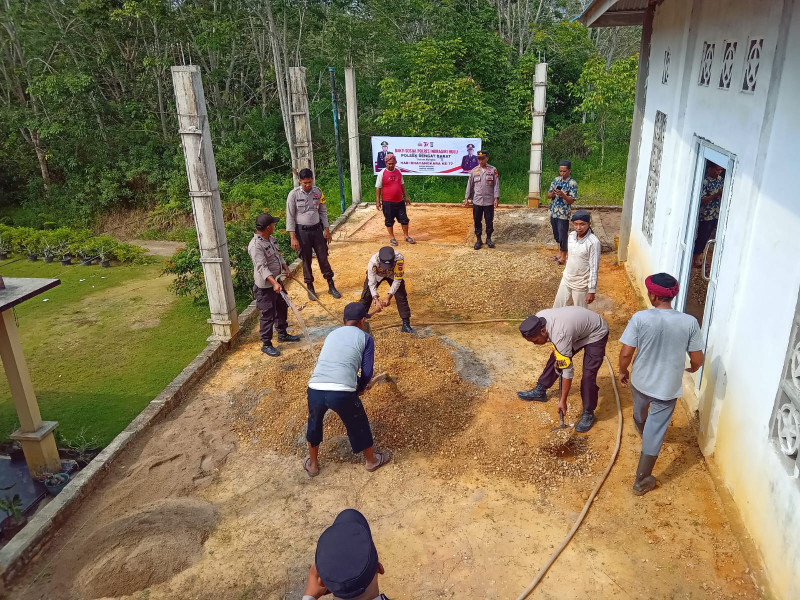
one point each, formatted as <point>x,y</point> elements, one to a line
<point>87,118</point>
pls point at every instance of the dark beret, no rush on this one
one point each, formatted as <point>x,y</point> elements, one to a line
<point>531,326</point>
<point>582,215</point>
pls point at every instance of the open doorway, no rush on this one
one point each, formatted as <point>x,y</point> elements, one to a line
<point>705,236</point>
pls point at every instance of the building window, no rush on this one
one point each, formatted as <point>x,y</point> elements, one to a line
<point>654,174</point>
<point>665,72</point>
<point>728,56</point>
<point>786,415</point>
<point>706,62</point>
<point>752,61</point>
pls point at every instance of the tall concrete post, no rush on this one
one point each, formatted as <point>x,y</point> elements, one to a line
<point>352,133</point>
<point>537,134</point>
<point>298,103</point>
<point>201,171</point>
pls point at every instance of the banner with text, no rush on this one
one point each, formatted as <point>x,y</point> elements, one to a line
<point>427,155</point>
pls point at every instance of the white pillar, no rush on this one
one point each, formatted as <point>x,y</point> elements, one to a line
<point>537,134</point>
<point>201,171</point>
<point>298,102</point>
<point>352,133</point>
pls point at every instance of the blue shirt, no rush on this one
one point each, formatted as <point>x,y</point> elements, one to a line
<point>558,208</point>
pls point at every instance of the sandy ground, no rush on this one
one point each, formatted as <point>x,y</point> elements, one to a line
<point>214,504</point>
<point>159,247</point>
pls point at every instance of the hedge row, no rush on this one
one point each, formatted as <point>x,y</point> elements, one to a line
<point>66,241</point>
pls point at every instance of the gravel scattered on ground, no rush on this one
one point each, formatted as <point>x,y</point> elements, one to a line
<point>495,282</point>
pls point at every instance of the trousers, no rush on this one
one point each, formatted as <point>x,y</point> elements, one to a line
<point>705,229</point>
<point>350,410</point>
<point>271,308</point>
<point>560,232</point>
<point>656,415</point>
<point>401,297</point>
<point>313,240</point>
<point>592,359</point>
<point>480,214</point>
<point>565,293</point>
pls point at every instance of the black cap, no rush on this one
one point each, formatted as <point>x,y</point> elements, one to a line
<point>565,163</point>
<point>355,311</point>
<point>483,153</point>
<point>582,215</point>
<point>346,558</point>
<point>384,143</point>
<point>386,257</point>
<point>470,146</point>
<point>264,220</point>
<point>531,326</point>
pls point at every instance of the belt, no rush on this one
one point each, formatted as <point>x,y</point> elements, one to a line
<point>311,227</point>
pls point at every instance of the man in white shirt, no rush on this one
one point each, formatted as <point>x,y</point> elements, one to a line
<point>661,338</point>
<point>579,280</point>
<point>346,561</point>
<point>387,265</point>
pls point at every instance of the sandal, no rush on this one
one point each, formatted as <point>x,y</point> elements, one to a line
<point>307,467</point>
<point>410,240</point>
<point>393,242</point>
<point>383,458</point>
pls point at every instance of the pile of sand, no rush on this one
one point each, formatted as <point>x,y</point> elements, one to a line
<point>495,282</point>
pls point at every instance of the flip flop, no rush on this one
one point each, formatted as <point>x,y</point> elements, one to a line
<point>383,458</point>
<point>410,240</point>
<point>555,258</point>
<point>307,467</point>
<point>393,242</point>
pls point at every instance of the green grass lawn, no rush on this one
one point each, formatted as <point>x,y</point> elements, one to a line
<point>103,344</point>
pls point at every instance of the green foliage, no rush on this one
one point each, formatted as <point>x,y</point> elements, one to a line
<point>12,506</point>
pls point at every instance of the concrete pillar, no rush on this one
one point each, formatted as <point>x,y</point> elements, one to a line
<point>34,435</point>
<point>537,134</point>
<point>298,103</point>
<point>352,133</point>
<point>201,170</point>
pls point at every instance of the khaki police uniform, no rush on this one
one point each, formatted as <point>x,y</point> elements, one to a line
<point>397,284</point>
<point>268,262</point>
<point>483,186</point>
<point>307,216</point>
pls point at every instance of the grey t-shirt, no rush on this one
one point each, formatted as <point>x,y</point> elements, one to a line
<point>570,328</point>
<point>662,338</point>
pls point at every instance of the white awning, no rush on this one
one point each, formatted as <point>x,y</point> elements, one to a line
<point>614,13</point>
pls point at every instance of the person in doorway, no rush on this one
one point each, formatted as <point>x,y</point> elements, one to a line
<point>579,280</point>
<point>470,161</point>
<point>268,264</point>
<point>392,198</point>
<point>307,224</point>
<point>661,338</point>
<point>381,162</point>
<point>710,202</point>
<point>483,188</point>
<point>336,385</point>
<point>346,562</point>
<point>570,329</point>
<point>387,265</point>
<point>562,193</point>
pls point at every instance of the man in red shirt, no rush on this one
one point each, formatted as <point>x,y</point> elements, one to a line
<point>390,194</point>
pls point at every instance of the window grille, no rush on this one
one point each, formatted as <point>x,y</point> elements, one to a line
<point>654,174</point>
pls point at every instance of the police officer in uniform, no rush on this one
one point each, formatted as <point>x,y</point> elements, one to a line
<point>387,265</point>
<point>470,161</point>
<point>267,267</point>
<point>382,156</point>
<point>483,188</point>
<point>307,224</point>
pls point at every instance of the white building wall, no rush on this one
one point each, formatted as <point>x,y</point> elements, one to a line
<point>759,269</point>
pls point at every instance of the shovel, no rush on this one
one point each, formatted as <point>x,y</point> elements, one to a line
<point>561,424</point>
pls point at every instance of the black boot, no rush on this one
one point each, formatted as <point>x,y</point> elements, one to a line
<point>489,241</point>
<point>312,293</point>
<point>539,393</point>
<point>587,420</point>
<point>644,475</point>
<point>332,290</point>
<point>406,328</point>
<point>478,244</point>
<point>285,336</point>
<point>270,350</point>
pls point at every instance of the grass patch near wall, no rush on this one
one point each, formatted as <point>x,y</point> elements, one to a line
<point>102,346</point>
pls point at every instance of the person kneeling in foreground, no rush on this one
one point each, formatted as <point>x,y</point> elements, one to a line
<point>663,337</point>
<point>336,385</point>
<point>570,329</point>
<point>346,562</point>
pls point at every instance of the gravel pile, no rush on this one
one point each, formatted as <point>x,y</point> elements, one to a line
<point>495,282</point>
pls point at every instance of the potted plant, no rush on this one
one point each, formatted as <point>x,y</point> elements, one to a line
<point>55,482</point>
<point>49,245</point>
<point>85,252</point>
<point>29,241</point>
<point>12,506</point>
<point>80,448</point>
<point>7,235</point>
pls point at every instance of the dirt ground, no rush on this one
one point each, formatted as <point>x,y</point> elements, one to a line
<point>214,504</point>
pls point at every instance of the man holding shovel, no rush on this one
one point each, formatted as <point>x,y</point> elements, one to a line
<point>570,329</point>
<point>661,338</point>
<point>388,265</point>
<point>336,385</point>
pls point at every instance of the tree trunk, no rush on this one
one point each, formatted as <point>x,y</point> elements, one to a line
<point>41,155</point>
